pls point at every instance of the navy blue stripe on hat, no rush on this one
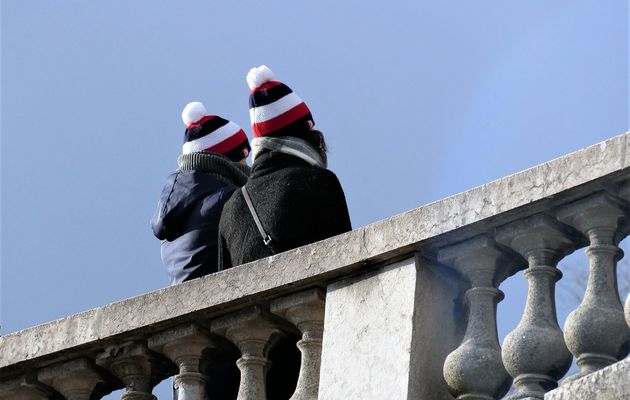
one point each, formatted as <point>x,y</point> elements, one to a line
<point>197,131</point>
<point>261,97</point>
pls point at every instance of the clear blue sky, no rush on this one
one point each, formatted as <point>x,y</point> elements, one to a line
<point>418,100</point>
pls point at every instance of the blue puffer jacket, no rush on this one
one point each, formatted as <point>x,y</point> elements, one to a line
<point>187,220</point>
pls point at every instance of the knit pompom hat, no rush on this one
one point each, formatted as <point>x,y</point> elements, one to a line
<point>274,109</point>
<point>213,134</point>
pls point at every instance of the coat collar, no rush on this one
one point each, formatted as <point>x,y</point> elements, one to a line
<point>272,161</point>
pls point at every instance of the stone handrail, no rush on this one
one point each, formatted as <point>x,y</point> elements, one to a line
<point>429,278</point>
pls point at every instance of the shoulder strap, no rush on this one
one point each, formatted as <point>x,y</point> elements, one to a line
<point>265,236</point>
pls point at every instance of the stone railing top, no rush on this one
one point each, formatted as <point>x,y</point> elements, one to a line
<point>452,219</point>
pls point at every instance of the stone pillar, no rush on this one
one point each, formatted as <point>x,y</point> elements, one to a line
<point>24,388</point>
<point>305,310</point>
<point>388,330</point>
<point>138,369</point>
<point>596,332</point>
<point>534,353</point>
<point>367,335</point>
<point>190,348</point>
<point>75,380</point>
<point>253,331</point>
<point>474,371</point>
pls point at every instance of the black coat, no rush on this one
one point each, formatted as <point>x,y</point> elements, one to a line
<point>186,220</point>
<point>297,204</point>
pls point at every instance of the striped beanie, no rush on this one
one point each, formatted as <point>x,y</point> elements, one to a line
<point>212,133</point>
<point>274,109</point>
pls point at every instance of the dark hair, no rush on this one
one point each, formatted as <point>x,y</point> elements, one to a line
<point>316,139</point>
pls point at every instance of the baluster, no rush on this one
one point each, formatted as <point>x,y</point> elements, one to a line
<point>534,353</point>
<point>254,332</point>
<point>24,388</point>
<point>596,332</point>
<point>75,380</point>
<point>138,369</point>
<point>305,310</point>
<point>189,347</point>
<point>474,371</point>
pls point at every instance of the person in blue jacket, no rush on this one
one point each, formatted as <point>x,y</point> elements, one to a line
<point>211,167</point>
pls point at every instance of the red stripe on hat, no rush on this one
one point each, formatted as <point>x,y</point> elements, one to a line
<point>229,143</point>
<point>266,85</point>
<point>284,119</point>
<point>201,121</point>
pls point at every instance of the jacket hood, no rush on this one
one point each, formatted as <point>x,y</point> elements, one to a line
<point>182,192</point>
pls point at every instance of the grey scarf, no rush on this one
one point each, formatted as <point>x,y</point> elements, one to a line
<point>216,165</point>
<point>290,145</point>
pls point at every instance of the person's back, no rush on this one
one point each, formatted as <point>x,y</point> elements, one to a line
<point>297,203</point>
<point>187,221</point>
<point>188,213</point>
<point>297,200</point>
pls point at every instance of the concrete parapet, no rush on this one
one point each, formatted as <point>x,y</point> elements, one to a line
<point>422,296</point>
<point>466,212</point>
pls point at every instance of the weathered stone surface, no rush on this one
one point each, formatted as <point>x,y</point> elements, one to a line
<point>138,368</point>
<point>464,214</point>
<point>610,383</point>
<point>254,331</point>
<point>368,333</point>
<point>481,260</point>
<point>75,380</point>
<point>474,370</point>
<point>24,388</point>
<point>534,353</point>
<point>191,348</point>
<point>305,310</point>
<point>439,323</point>
<point>596,332</point>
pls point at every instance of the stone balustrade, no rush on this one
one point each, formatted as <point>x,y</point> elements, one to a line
<point>535,353</point>
<point>403,308</point>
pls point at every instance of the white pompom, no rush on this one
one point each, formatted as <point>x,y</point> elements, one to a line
<point>193,112</point>
<point>259,75</point>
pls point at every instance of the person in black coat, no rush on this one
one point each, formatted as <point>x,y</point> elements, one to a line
<point>297,204</point>
<point>211,167</point>
<point>297,200</point>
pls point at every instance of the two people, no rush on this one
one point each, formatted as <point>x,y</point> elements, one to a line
<point>203,218</point>
<point>215,213</point>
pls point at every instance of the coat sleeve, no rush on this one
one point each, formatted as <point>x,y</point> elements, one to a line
<point>339,214</point>
<point>162,222</point>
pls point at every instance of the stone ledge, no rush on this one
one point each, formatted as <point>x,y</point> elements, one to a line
<point>455,217</point>
<point>610,383</point>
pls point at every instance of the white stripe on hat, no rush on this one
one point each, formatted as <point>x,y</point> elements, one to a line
<point>211,139</point>
<point>272,110</point>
